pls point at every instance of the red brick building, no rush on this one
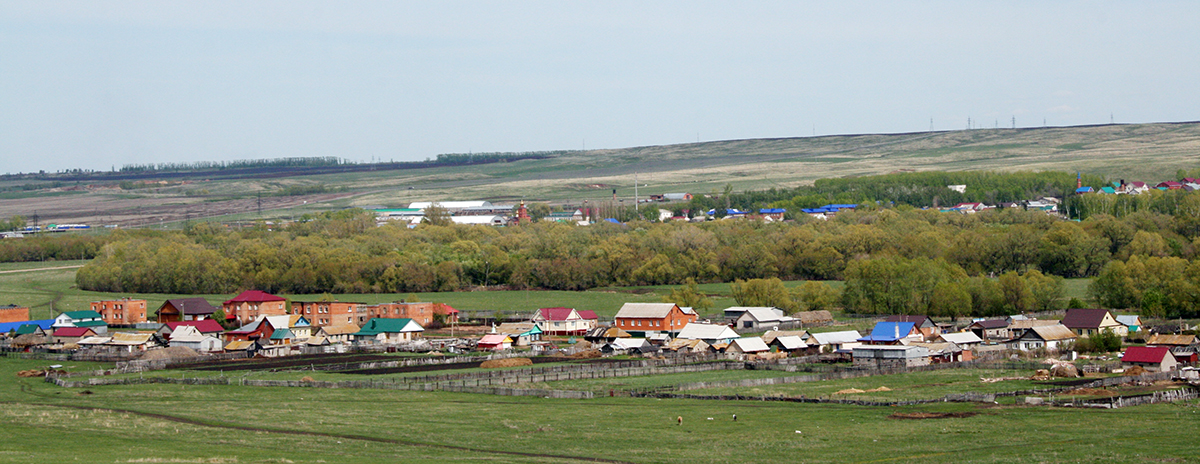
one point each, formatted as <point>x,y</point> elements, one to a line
<point>652,317</point>
<point>422,312</point>
<point>247,306</point>
<point>121,312</point>
<point>327,313</point>
<point>14,313</point>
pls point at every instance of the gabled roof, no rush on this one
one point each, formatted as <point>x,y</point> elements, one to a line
<point>85,314</point>
<point>835,338</point>
<point>1084,318</point>
<point>1145,354</point>
<point>187,333</point>
<point>204,326</point>
<point>990,324</point>
<point>750,345</point>
<point>129,338</point>
<point>961,338</point>
<point>378,325</point>
<point>765,314</point>
<point>519,328</point>
<point>772,334</point>
<point>588,315</point>
<point>494,339</point>
<point>1171,340</point>
<point>889,332</point>
<point>190,306</point>
<point>282,334</point>
<point>696,330</point>
<point>25,329</point>
<point>1051,332</point>
<point>251,327</point>
<point>790,342</point>
<point>344,329</point>
<point>73,332</point>
<point>239,345</point>
<point>1129,320</point>
<point>607,332</point>
<point>556,314</point>
<point>97,340</point>
<point>920,321</point>
<point>45,324</point>
<point>253,296</point>
<point>645,310</point>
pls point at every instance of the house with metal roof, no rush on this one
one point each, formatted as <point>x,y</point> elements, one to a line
<point>1185,348</point>
<point>191,337</point>
<point>562,321</point>
<point>343,333</point>
<point>10,327</point>
<point>85,318</point>
<point>639,318</point>
<point>892,333</point>
<point>1049,337</point>
<point>753,319</point>
<point>788,344</point>
<point>494,342</point>
<point>710,333</point>
<point>522,333</point>
<point>1088,321</point>
<point>1132,322</point>
<point>967,340</point>
<point>832,342</point>
<point>388,331</point>
<point>890,356</point>
<point>747,345</point>
<point>251,304</point>
<point>929,330</point>
<point>184,309</point>
<point>1150,358</point>
<point>259,329</point>
<point>65,335</point>
<point>992,330</point>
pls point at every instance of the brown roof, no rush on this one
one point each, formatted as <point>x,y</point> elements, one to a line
<point>814,317</point>
<point>1171,340</point>
<point>991,323</point>
<point>916,320</point>
<point>772,334</point>
<point>1029,323</point>
<point>1082,318</point>
<point>1053,332</point>
<point>344,329</point>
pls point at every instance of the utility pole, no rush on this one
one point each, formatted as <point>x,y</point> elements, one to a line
<point>635,193</point>
<point>1014,122</point>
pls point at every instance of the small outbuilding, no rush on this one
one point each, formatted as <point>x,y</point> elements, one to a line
<point>1152,359</point>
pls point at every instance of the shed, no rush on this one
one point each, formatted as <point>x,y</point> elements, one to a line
<point>710,333</point>
<point>747,345</point>
<point>1151,358</point>
<point>890,356</point>
<point>494,342</point>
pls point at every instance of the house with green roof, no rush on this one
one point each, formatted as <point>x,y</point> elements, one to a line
<point>86,318</point>
<point>388,330</point>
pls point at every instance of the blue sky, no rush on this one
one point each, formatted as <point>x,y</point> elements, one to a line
<point>100,84</point>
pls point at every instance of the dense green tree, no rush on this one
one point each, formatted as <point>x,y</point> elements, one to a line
<point>763,292</point>
<point>689,295</point>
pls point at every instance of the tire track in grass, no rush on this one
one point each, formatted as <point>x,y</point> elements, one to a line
<point>392,441</point>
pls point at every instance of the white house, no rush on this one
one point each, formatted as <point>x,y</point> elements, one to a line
<point>710,333</point>
<point>190,337</point>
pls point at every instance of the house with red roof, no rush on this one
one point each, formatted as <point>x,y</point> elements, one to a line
<point>258,330</point>
<point>1087,322</point>
<point>562,321</point>
<point>449,315</point>
<point>1169,185</point>
<point>65,335</point>
<point>204,327</point>
<point>247,306</point>
<point>1150,358</point>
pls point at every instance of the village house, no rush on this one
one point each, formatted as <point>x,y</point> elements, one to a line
<point>204,326</point>
<point>625,346</point>
<point>946,352</point>
<point>13,327</point>
<point>448,314</point>
<point>639,318</point>
<point>338,333</point>
<point>14,313</point>
<point>753,319</point>
<point>770,335</point>
<point>712,334</point>
<point>991,330</point>
<point>680,345</point>
<point>1150,358</point>
<point>1018,327</point>
<point>327,313</point>
<point>1049,337</point>
<point>1087,322</point>
<point>522,333</point>
<point>130,342</point>
<point>562,321</point>
<point>1132,322</point>
<point>257,330</point>
<point>124,311</point>
<point>295,323</point>
<point>250,304</point>
<point>929,330</point>
<point>66,335</point>
<point>890,356</point>
<point>190,337</point>
<point>184,309</point>
<point>747,345</point>
<point>494,342</point>
<point>419,312</point>
<point>967,340</point>
<point>892,333</point>
<point>389,331</point>
<point>605,334</point>
<point>85,318</point>
<point>572,217</point>
<point>791,344</point>
<point>833,342</point>
<point>1183,347</point>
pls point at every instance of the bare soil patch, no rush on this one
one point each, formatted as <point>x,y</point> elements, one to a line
<point>930,415</point>
<point>507,362</point>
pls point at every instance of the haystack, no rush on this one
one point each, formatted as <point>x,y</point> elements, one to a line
<point>1065,370</point>
<point>507,362</point>
<point>880,389</point>
<point>848,391</point>
<point>169,353</point>
<point>586,354</point>
<point>1135,370</point>
<point>1041,374</point>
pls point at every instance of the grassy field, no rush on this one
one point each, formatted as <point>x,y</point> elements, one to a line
<point>171,423</point>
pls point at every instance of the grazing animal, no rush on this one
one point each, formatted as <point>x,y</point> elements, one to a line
<point>679,420</point>
<point>735,417</point>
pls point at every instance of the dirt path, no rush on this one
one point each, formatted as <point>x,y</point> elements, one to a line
<point>14,271</point>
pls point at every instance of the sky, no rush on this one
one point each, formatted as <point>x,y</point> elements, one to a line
<point>102,84</point>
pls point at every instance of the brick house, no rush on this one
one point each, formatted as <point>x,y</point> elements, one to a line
<point>14,313</point>
<point>327,313</point>
<point>639,318</point>
<point>247,306</point>
<point>124,311</point>
<point>421,313</point>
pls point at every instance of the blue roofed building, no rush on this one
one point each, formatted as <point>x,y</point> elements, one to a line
<point>892,333</point>
<point>9,327</point>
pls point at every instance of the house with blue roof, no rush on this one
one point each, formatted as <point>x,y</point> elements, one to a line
<point>10,327</point>
<point>1083,190</point>
<point>892,333</point>
<point>774,214</point>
